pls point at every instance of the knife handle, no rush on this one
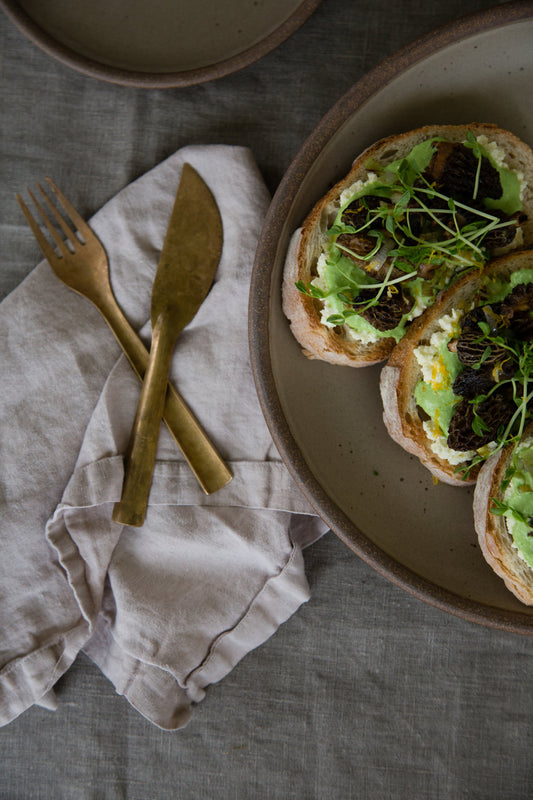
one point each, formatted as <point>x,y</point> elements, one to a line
<point>207,465</point>
<point>140,458</point>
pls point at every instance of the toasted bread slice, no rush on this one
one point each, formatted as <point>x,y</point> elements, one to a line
<point>399,377</point>
<point>495,539</point>
<point>337,344</point>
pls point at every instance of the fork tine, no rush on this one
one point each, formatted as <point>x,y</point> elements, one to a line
<point>78,220</point>
<point>53,233</point>
<point>69,233</point>
<point>41,239</point>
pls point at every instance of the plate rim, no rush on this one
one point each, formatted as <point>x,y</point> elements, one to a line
<point>155,80</point>
<point>259,312</point>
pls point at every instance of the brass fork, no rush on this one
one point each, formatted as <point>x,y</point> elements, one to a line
<point>81,263</point>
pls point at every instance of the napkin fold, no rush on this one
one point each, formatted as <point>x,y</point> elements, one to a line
<point>167,609</point>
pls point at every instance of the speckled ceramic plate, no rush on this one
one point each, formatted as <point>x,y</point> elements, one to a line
<point>327,421</point>
<point>158,43</point>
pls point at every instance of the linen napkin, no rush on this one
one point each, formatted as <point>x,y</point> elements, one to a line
<point>169,608</point>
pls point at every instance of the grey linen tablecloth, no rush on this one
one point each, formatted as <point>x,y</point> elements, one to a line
<point>365,692</point>
<point>168,608</point>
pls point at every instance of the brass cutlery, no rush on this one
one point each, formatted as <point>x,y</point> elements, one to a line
<point>79,260</point>
<point>187,266</point>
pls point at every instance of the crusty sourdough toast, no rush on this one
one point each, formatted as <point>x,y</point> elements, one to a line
<point>336,341</point>
<point>460,367</point>
<point>494,536</point>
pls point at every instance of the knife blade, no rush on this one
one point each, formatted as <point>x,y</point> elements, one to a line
<point>187,266</point>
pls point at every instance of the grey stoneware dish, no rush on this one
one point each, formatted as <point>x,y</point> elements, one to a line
<point>158,43</point>
<point>326,421</point>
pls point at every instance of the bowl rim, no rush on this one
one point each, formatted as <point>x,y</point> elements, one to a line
<point>259,309</point>
<point>155,80</point>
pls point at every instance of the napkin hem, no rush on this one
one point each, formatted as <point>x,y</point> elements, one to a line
<point>29,679</point>
<point>277,600</point>
<point>255,484</point>
<point>162,699</point>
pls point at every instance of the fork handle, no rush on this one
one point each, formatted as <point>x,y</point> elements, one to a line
<point>204,460</point>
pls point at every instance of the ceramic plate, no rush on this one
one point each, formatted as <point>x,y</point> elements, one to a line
<point>159,43</point>
<point>327,421</point>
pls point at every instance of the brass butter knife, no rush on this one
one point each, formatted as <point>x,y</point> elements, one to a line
<point>187,266</point>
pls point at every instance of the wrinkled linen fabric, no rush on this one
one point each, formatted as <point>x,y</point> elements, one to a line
<point>169,608</point>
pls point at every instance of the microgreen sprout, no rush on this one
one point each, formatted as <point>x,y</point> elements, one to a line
<point>476,150</point>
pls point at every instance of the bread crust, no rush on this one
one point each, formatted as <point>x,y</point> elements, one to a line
<point>332,344</point>
<point>493,536</point>
<point>402,372</point>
